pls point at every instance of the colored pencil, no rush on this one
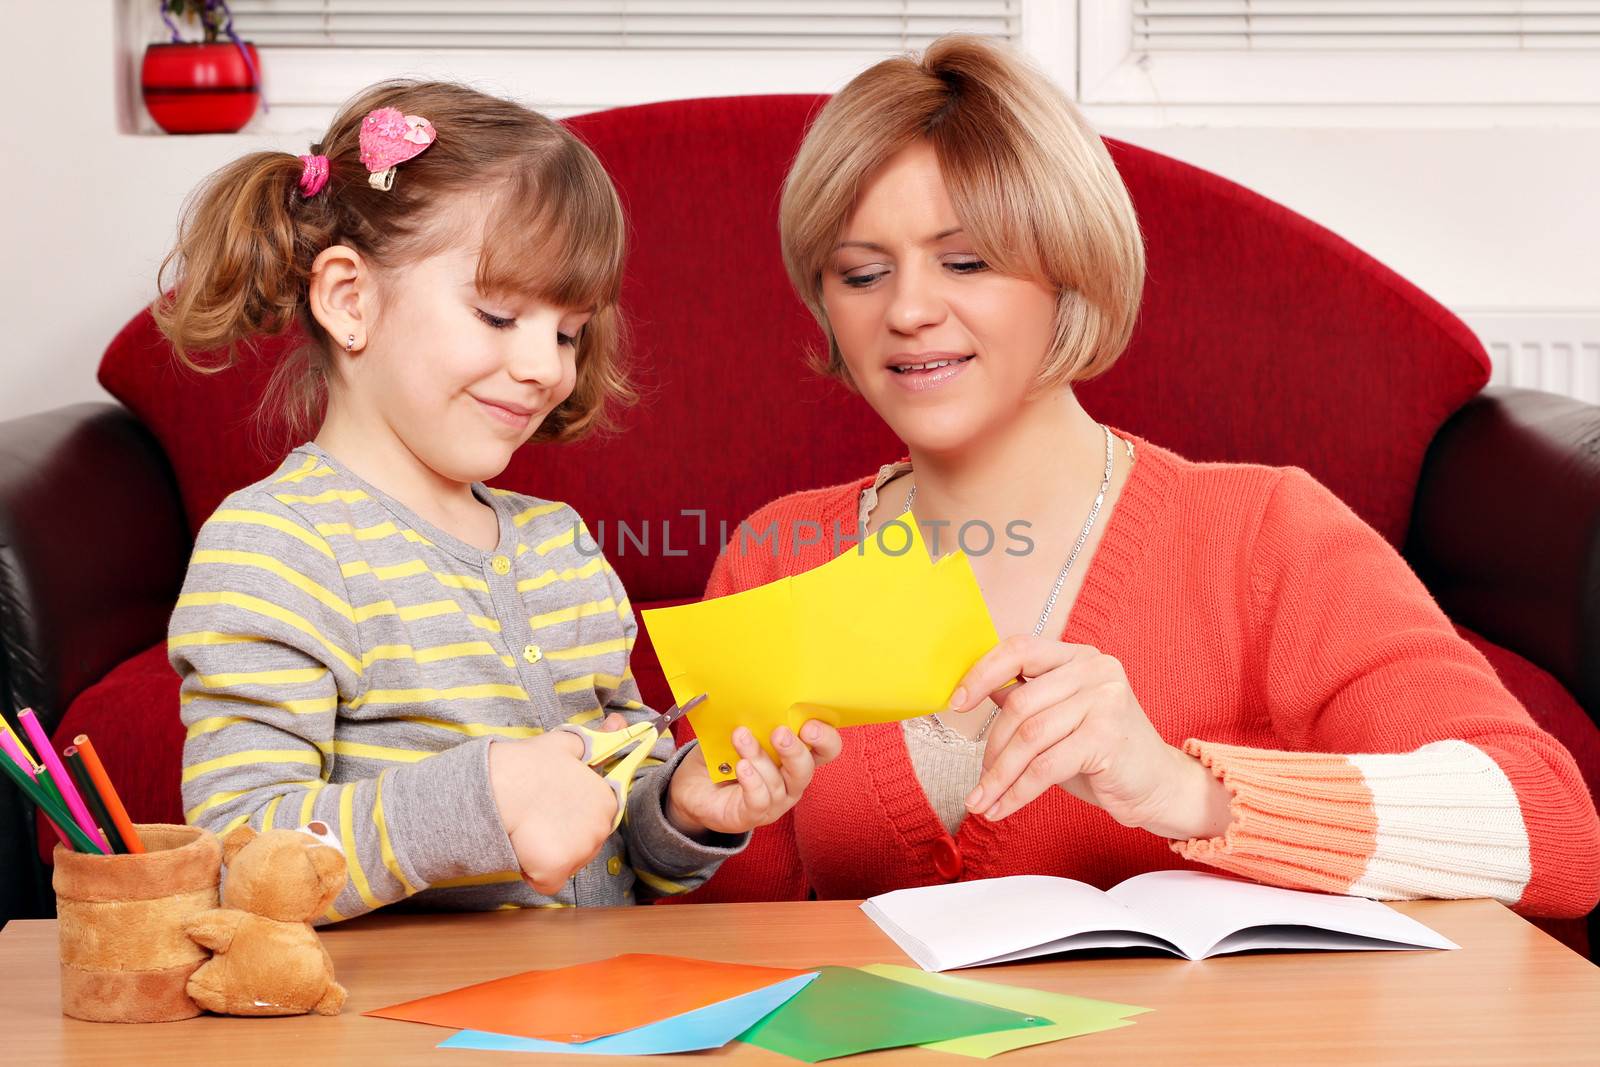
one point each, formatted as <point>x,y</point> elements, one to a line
<point>13,749</point>
<point>63,781</point>
<point>36,772</point>
<point>91,796</point>
<point>52,791</point>
<point>49,786</point>
<point>108,793</point>
<point>58,814</point>
<point>5,728</point>
<point>18,754</point>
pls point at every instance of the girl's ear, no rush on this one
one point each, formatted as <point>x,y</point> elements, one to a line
<point>342,297</point>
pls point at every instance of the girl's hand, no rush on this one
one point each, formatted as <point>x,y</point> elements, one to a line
<point>764,790</point>
<point>1074,722</point>
<point>555,809</point>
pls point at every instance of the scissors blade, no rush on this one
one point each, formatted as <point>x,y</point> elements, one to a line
<point>665,720</point>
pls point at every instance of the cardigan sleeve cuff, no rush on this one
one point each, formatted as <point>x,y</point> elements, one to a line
<point>1441,821</point>
<point>1301,819</point>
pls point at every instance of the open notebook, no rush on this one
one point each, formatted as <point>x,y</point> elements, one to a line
<point>966,924</point>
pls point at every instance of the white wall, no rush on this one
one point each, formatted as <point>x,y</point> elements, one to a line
<point>1495,223</point>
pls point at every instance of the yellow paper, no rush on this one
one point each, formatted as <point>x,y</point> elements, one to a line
<point>1072,1016</point>
<point>870,636</point>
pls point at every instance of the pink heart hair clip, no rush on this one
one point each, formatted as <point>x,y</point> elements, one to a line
<point>389,138</point>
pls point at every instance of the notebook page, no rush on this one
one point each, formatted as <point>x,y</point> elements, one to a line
<point>1093,940</point>
<point>966,923</point>
<point>1201,910</point>
<point>1301,938</point>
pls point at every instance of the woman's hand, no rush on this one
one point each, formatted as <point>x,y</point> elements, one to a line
<point>1074,722</point>
<point>763,790</point>
<point>555,809</point>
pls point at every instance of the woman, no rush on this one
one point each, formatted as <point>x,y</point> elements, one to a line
<point>1202,648</point>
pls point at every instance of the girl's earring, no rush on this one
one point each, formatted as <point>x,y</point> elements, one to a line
<point>350,343</point>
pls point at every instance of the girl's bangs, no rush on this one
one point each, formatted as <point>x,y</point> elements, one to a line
<point>555,234</point>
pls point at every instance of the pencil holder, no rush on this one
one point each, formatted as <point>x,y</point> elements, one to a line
<point>124,955</point>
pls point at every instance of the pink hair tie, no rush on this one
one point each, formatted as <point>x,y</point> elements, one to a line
<point>313,175</point>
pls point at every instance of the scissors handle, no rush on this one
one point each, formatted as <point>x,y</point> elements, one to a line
<point>600,747</point>
<point>608,751</point>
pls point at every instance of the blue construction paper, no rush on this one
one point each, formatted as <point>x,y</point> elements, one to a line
<point>710,1027</point>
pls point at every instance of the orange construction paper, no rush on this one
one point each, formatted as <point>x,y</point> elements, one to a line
<point>589,1000</point>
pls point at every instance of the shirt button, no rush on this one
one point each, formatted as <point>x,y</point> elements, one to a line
<point>500,565</point>
<point>532,654</point>
<point>947,859</point>
<point>614,865</point>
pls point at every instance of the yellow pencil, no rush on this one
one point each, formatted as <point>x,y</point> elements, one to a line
<point>6,726</point>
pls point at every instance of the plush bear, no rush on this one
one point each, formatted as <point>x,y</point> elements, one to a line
<point>266,958</point>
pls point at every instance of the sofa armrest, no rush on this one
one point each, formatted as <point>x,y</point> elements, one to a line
<point>1505,531</point>
<point>93,547</point>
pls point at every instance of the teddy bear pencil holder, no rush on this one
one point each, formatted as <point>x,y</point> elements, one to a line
<point>125,956</point>
<point>266,959</point>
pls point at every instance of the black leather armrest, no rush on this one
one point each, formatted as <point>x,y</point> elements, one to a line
<point>93,547</point>
<point>1506,529</point>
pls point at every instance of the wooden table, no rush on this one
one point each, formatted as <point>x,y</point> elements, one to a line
<point>1511,995</point>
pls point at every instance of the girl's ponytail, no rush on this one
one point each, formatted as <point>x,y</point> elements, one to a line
<point>242,258</point>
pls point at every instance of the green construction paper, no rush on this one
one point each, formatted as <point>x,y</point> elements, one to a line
<point>846,1011</point>
<point>1072,1016</point>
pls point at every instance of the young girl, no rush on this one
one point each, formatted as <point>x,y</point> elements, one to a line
<point>369,636</point>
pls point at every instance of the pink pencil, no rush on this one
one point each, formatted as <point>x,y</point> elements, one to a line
<point>63,780</point>
<point>20,758</point>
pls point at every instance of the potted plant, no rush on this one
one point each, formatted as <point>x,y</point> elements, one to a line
<point>207,86</point>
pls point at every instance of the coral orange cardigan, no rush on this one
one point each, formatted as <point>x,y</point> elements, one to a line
<point>1271,633</point>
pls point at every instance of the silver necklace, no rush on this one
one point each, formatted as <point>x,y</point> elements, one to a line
<point>939,726</point>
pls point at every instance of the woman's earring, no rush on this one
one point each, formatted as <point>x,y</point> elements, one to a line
<point>350,343</point>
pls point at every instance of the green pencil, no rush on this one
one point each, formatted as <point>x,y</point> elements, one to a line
<point>48,784</point>
<point>53,808</point>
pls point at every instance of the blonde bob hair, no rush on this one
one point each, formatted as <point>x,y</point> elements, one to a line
<point>1030,180</point>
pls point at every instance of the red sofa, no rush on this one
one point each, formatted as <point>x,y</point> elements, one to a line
<point>1263,337</point>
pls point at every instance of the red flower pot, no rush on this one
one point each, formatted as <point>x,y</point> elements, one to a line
<point>200,88</point>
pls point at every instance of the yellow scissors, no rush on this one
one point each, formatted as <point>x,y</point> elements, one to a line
<point>616,754</point>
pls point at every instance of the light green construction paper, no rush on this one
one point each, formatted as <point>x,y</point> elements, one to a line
<point>846,1011</point>
<point>1073,1016</point>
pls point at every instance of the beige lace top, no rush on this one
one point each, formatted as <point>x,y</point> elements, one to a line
<point>947,765</point>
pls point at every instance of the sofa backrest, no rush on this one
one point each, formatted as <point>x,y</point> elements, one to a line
<point>1262,337</point>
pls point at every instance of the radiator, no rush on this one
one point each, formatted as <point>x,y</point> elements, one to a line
<point>1557,352</point>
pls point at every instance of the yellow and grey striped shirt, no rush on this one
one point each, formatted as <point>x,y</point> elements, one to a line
<point>344,660</point>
